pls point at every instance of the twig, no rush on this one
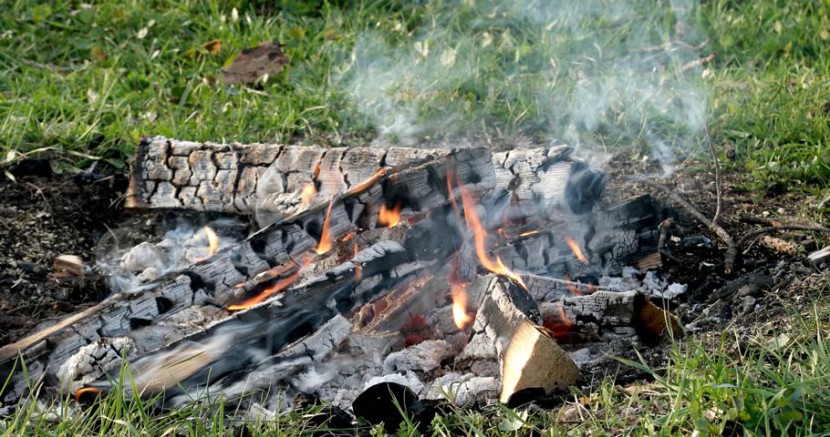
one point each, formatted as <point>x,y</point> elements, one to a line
<point>759,220</point>
<point>756,233</point>
<point>717,172</point>
<point>696,63</point>
<point>731,249</point>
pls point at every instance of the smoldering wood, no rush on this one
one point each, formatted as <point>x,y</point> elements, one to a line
<point>613,237</point>
<point>421,187</point>
<point>230,348</point>
<point>244,179</point>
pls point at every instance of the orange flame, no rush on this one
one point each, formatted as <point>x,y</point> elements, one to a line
<point>368,182</point>
<point>576,250</point>
<point>268,292</point>
<point>81,392</point>
<point>307,195</point>
<point>459,305</point>
<point>480,236</point>
<point>325,235</point>
<point>213,243</point>
<point>529,233</point>
<point>389,217</point>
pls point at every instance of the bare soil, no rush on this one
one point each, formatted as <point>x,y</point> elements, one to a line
<point>42,216</point>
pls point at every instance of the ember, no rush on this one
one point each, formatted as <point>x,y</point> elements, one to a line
<point>268,292</point>
<point>577,251</point>
<point>367,183</point>
<point>325,234</point>
<point>389,217</point>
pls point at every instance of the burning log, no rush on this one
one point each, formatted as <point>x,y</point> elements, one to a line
<point>179,304</point>
<point>283,180</point>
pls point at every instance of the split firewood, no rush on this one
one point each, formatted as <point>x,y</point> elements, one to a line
<point>533,359</point>
<point>506,328</point>
<point>282,180</point>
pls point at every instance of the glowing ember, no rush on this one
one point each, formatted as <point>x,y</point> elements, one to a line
<point>480,236</point>
<point>82,391</point>
<point>576,250</point>
<point>389,217</point>
<point>213,243</point>
<point>459,305</point>
<point>307,195</point>
<point>268,292</point>
<point>529,233</point>
<point>325,236</point>
<point>368,182</point>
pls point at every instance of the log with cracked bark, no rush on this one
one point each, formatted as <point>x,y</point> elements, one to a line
<point>181,303</point>
<point>270,178</point>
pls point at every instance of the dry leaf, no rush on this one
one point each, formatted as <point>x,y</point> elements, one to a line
<point>250,65</point>
<point>98,54</point>
<point>213,47</point>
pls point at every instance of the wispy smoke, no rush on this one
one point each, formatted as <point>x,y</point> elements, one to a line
<point>595,73</point>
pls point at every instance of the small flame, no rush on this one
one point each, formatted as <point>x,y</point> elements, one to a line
<point>480,236</point>
<point>389,217</point>
<point>459,305</point>
<point>325,235</point>
<point>307,195</point>
<point>529,233</point>
<point>268,292</point>
<point>82,391</point>
<point>368,182</point>
<point>213,243</point>
<point>576,250</point>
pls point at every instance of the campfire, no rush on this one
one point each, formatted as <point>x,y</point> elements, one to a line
<point>446,273</point>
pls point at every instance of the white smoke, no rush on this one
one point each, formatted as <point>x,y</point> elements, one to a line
<point>596,74</point>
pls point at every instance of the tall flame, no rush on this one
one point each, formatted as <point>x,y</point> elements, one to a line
<point>459,305</point>
<point>576,250</point>
<point>389,217</point>
<point>307,195</point>
<point>268,292</point>
<point>213,242</point>
<point>480,237</point>
<point>325,235</point>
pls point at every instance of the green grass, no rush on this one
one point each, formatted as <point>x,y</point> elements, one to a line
<point>87,80</point>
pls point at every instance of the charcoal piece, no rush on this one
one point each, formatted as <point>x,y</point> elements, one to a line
<point>387,403</point>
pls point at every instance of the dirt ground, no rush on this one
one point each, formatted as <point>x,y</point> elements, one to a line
<point>43,215</point>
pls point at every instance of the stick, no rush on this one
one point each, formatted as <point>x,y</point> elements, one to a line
<point>756,233</point>
<point>731,249</point>
<point>717,172</point>
<point>696,63</point>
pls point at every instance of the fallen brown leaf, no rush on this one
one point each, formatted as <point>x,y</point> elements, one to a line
<point>251,65</point>
<point>213,47</point>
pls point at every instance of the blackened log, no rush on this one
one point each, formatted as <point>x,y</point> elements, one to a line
<point>270,178</point>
